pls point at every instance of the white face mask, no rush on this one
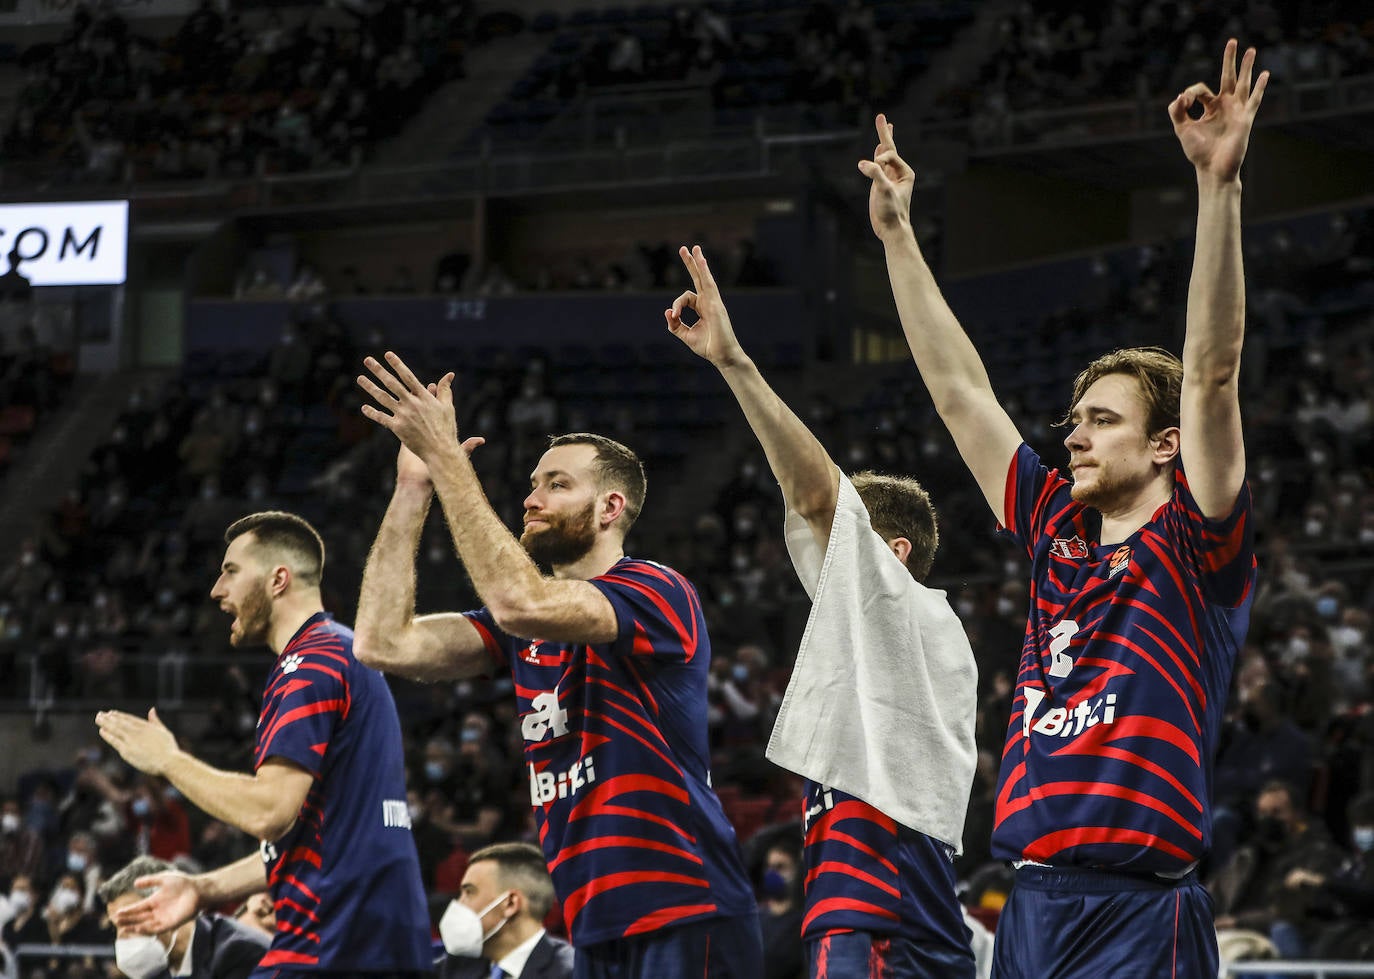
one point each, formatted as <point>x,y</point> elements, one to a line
<point>20,901</point>
<point>140,956</point>
<point>65,899</point>
<point>461,928</point>
<point>9,822</point>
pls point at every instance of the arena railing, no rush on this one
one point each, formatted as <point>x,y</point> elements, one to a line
<point>22,952</point>
<point>1315,969</point>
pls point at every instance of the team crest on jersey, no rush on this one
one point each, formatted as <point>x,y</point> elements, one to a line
<point>1073,547</point>
<point>1120,561</point>
<point>291,664</point>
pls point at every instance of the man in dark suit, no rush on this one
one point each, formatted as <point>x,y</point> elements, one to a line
<point>208,946</point>
<point>497,922</point>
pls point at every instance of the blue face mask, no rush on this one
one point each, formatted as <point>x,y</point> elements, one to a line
<point>1364,838</point>
<point>774,884</point>
<point>76,862</point>
<point>435,771</point>
<point>1327,606</point>
<point>740,672</point>
<point>141,807</point>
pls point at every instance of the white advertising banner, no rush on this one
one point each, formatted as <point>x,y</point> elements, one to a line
<point>77,243</point>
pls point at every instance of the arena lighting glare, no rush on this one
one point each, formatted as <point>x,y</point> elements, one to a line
<point>72,243</point>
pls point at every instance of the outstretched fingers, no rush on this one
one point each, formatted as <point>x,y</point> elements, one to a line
<point>1228,66</point>
<point>1257,94</point>
<point>1247,68</point>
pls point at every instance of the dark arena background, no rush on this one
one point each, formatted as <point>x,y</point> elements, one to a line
<point>218,210</point>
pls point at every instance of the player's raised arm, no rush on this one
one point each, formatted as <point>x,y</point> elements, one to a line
<point>388,635</point>
<point>522,600</point>
<point>949,364</point>
<point>1215,143</point>
<point>809,478</point>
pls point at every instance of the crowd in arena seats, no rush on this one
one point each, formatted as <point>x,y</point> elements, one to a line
<point>126,559</point>
<point>823,59</point>
<point>229,94</point>
<point>1057,55</point>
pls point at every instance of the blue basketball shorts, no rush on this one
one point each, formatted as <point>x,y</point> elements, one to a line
<point>1073,923</point>
<point>863,955</point>
<point>717,948</point>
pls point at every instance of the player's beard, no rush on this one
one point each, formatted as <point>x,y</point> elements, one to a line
<point>1105,492</point>
<point>253,618</point>
<point>565,540</point>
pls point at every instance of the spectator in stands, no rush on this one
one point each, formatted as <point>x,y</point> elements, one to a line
<point>1251,890</point>
<point>21,849</point>
<point>257,912</point>
<point>496,925</point>
<point>208,946</point>
<point>1344,896</point>
<point>780,911</point>
<point>26,925</point>
<point>68,919</point>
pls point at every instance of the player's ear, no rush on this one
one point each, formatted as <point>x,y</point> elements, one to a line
<point>279,581</point>
<point>612,506</point>
<point>1164,446</point>
<point>900,547</point>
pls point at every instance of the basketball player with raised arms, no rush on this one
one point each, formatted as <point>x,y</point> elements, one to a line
<point>1142,578</point>
<point>610,657</point>
<point>879,714</point>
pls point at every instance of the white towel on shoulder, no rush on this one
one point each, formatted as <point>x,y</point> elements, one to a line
<point>883,695</point>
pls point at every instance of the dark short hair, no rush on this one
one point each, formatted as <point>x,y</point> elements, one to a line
<point>898,506</point>
<point>617,467</point>
<point>521,867</point>
<point>285,536</point>
<point>122,881</point>
<point>1159,373</point>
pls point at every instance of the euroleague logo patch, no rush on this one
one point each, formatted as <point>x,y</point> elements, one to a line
<point>1120,561</point>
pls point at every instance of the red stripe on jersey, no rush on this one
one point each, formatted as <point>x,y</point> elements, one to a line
<point>489,642</point>
<point>281,957</point>
<point>1189,594</point>
<point>836,867</point>
<point>639,719</point>
<point>303,854</point>
<point>1139,650</point>
<point>297,906</point>
<point>607,719</point>
<point>298,931</point>
<point>835,836</point>
<point>1098,789</point>
<point>687,637</point>
<point>845,904</point>
<point>579,898</point>
<point>636,842</point>
<point>623,785</point>
<point>666,916</point>
<point>1139,761</point>
<point>1052,844</point>
<point>646,695</point>
<point>295,882</point>
<point>305,710</point>
<point>319,748</point>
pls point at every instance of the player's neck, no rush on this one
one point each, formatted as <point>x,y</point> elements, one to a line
<point>1120,522</point>
<point>601,558</point>
<point>289,614</point>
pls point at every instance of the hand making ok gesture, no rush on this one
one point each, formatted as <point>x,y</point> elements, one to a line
<point>1215,143</point>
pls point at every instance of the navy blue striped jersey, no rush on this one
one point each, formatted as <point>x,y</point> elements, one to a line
<point>345,879</point>
<point>615,743</point>
<point>1123,678</point>
<point>865,872</point>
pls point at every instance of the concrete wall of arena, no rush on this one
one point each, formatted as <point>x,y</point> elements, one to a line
<point>444,331</point>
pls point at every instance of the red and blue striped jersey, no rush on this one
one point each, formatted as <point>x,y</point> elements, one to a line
<point>615,743</point>
<point>345,879</point>
<point>1123,678</point>
<point>866,872</point>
